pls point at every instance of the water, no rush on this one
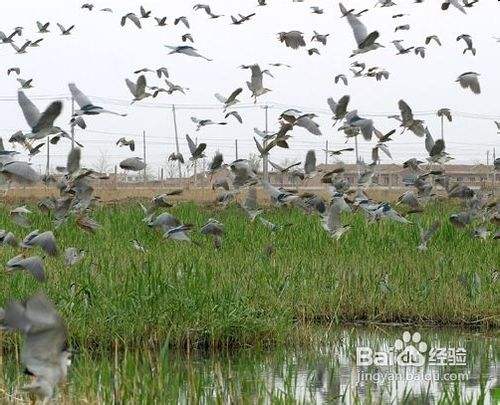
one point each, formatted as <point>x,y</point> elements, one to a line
<point>324,372</point>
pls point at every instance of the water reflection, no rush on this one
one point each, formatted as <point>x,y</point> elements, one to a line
<point>328,373</point>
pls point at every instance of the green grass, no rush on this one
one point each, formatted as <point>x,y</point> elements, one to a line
<point>184,295</point>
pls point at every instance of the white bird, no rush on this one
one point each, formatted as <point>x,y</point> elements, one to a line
<point>86,106</point>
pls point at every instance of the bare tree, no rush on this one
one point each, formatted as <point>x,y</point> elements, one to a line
<point>102,164</point>
<point>171,169</point>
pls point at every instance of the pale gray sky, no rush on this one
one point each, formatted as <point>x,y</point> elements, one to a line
<point>100,54</point>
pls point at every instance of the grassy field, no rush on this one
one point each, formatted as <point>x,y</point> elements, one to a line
<point>188,295</point>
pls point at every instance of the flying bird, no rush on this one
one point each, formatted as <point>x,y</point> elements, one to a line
<point>65,31</point>
<point>86,105</point>
<point>365,42</point>
<point>470,80</point>
<point>292,39</point>
<point>186,50</point>
<point>138,89</point>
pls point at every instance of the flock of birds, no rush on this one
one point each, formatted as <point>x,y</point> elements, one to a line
<point>45,353</point>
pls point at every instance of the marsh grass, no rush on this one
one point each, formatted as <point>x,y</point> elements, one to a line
<point>188,296</point>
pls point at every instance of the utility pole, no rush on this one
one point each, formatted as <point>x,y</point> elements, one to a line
<point>265,158</point>
<point>236,148</point>
<point>326,152</point>
<point>488,157</point>
<point>144,153</point>
<point>442,127</point>
<point>195,164</point>
<point>47,169</point>
<point>357,154</point>
<point>177,141</point>
<point>494,173</point>
<point>72,125</point>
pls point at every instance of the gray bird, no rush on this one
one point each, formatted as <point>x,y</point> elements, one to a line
<point>342,78</point>
<point>426,235</point>
<point>72,256</point>
<point>292,39</point>
<point>454,3</point>
<point>445,112</point>
<point>339,109</point>
<point>132,17</point>
<point>19,172</point>
<point>135,164</point>
<point>45,353</point>
<point>45,240</point>
<point>365,42</point>
<point>125,142</point>
<point>468,41</point>
<point>186,50</point>
<point>144,13</point>
<point>434,38</point>
<point>86,106</point>
<point>331,221</point>
<point>310,164</point>
<point>434,148</point>
<point>320,37</point>
<point>43,27</point>
<point>250,204</point>
<point>42,125</point>
<point>207,10</point>
<point>195,150</point>
<point>138,89</point>
<point>470,80</point>
<point>231,100</point>
<point>215,229</point>
<point>176,156</point>
<point>408,121</point>
<point>183,20</point>
<point>19,216</point>
<point>236,115</point>
<point>179,233</point>
<point>65,31</point>
<point>23,49</point>
<point>33,265</point>
<point>400,48</point>
<point>8,239</point>
<point>255,85</point>
<point>359,124</point>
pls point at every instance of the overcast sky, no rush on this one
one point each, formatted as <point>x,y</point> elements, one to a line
<point>100,54</point>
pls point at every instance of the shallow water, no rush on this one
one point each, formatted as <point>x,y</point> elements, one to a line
<point>325,372</point>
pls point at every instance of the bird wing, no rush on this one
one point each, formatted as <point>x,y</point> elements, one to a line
<point>30,111</point>
<point>141,84</point>
<point>341,108</point>
<point>250,202</point>
<point>81,99</point>
<point>358,28</point>
<point>233,95</point>
<point>49,116</point>
<point>191,144</point>
<point>310,163</point>
<point>131,86</point>
<point>332,104</point>
<point>135,20</point>
<point>406,113</point>
<point>220,98</point>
